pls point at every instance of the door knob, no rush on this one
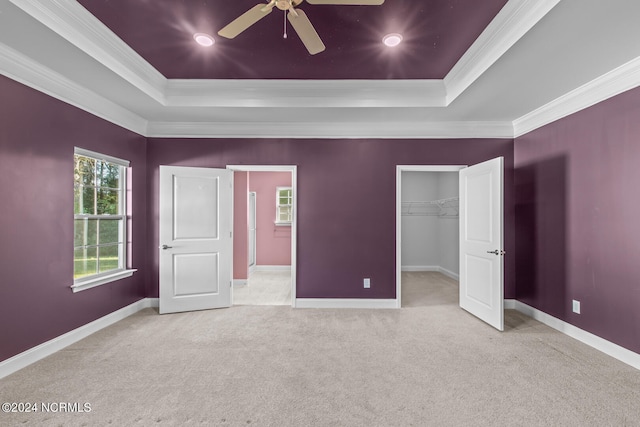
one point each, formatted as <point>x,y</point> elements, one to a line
<point>497,252</point>
<point>166,247</point>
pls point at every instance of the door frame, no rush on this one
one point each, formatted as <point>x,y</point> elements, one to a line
<point>399,170</point>
<point>293,169</point>
<point>252,251</point>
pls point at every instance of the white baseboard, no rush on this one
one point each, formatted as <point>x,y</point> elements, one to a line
<point>345,303</point>
<point>437,268</point>
<point>449,273</point>
<point>420,268</point>
<point>240,282</point>
<point>26,358</point>
<point>271,268</point>
<point>614,350</point>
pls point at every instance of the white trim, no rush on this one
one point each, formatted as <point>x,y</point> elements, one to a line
<point>240,282</point>
<point>331,129</point>
<point>399,170</point>
<point>614,350</point>
<point>88,153</point>
<point>287,93</point>
<point>515,19</point>
<point>345,303</point>
<point>19,361</point>
<point>437,268</point>
<point>272,268</point>
<point>74,23</point>
<point>610,84</point>
<point>101,280</point>
<point>20,68</point>
<point>509,304</point>
<point>294,224</point>
<point>449,273</point>
<point>420,268</point>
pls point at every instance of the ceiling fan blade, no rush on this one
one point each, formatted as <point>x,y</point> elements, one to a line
<point>306,32</point>
<point>348,2</point>
<point>246,20</point>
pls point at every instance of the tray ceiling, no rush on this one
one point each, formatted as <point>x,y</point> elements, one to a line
<point>436,34</point>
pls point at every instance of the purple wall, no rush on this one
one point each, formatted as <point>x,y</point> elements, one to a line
<point>353,236</point>
<point>273,243</point>
<point>37,136</point>
<point>577,219</point>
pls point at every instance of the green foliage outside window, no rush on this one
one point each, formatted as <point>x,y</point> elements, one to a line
<point>99,217</point>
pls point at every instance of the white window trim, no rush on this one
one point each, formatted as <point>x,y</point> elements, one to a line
<point>101,279</point>
<point>110,276</point>
<point>277,222</point>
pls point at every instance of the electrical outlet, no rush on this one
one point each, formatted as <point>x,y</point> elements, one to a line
<point>367,283</point>
<point>576,306</point>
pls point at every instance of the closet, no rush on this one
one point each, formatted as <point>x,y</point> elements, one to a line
<point>429,215</point>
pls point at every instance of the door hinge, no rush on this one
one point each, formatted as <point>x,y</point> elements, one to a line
<point>231,234</point>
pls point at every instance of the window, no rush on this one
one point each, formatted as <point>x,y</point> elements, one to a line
<point>284,205</point>
<point>100,219</point>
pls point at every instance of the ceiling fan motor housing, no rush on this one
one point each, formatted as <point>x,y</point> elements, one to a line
<point>287,4</point>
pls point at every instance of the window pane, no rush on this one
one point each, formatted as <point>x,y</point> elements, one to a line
<point>85,232</point>
<point>84,262</point>
<point>84,170</point>
<point>109,231</point>
<point>84,200</point>
<point>284,214</point>
<point>108,202</point>
<point>108,175</point>
<point>109,257</point>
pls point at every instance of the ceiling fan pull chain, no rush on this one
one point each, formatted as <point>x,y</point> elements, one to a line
<point>284,36</point>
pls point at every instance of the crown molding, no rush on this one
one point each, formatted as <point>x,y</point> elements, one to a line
<point>515,19</point>
<point>305,93</point>
<point>69,19</point>
<point>309,130</point>
<point>614,82</point>
<point>20,68</point>
<point>74,23</point>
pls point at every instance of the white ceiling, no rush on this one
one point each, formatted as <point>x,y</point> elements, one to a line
<point>538,61</point>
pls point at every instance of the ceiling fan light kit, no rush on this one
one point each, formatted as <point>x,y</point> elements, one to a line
<point>298,19</point>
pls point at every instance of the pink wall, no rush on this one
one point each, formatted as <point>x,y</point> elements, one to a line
<point>273,243</point>
<point>240,234</point>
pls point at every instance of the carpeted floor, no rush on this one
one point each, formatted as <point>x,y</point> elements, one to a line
<point>428,364</point>
<point>264,288</point>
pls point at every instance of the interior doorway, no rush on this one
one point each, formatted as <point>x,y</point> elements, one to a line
<point>265,230</point>
<point>427,230</point>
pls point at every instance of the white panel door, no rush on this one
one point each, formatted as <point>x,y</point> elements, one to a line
<point>481,242</point>
<point>196,245</point>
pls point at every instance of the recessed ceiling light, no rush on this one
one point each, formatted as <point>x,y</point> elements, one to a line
<point>203,39</point>
<point>392,40</point>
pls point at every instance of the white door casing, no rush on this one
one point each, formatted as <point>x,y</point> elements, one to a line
<point>481,241</point>
<point>196,245</point>
<point>252,228</point>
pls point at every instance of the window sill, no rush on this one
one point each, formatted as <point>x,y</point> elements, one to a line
<point>282,224</point>
<point>101,280</point>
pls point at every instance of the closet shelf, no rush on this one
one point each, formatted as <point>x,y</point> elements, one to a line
<point>443,208</point>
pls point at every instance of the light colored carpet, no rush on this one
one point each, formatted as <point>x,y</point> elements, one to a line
<point>428,364</point>
<point>264,288</point>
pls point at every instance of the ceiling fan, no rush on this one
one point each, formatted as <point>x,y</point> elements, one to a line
<point>296,17</point>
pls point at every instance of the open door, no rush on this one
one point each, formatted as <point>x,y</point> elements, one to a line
<point>481,242</point>
<point>196,245</point>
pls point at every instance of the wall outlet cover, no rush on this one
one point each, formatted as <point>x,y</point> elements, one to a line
<point>576,306</point>
<point>367,283</point>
